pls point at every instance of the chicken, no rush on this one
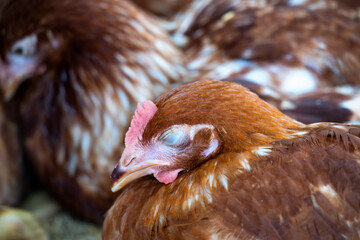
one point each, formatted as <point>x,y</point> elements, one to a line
<point>11,170</point>
<point>287,49</point>
<point>75,70</point>
<point>210,160</point>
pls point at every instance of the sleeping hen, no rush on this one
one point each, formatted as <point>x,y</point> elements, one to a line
<point>303,55</point>
<point>210,160</point>
<point>75,70</point>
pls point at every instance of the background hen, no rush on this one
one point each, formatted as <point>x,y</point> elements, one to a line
<point>210,160</point>
<point>301,56</point>
<point>73,71</point>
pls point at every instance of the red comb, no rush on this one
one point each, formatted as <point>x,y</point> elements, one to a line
<point>144,112</point>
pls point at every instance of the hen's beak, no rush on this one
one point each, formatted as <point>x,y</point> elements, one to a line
<point>123,175</point>
<point>14,73</point>
<point>9,81</point>
<point>120,178</point>
<point>9,87</point>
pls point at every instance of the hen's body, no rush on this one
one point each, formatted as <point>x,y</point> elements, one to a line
<point>92,62</point>
<point>303,55</point>
<point>270,178</point>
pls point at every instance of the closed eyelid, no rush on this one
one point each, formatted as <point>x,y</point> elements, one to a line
<point>174,138</point>
<point>165,134</point>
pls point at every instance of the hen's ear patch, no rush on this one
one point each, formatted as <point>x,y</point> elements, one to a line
<point>144,112</point>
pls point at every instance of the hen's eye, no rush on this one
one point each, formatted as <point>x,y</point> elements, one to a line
<point>19,51</point>
<point>172,138</point>
<point>25,47</point>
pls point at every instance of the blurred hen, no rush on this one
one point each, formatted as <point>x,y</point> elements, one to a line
<point>301,56</point>
<point>74,70</point>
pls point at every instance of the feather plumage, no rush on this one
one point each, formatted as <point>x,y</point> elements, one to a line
<point>294,47</point>
<point>270,177</point>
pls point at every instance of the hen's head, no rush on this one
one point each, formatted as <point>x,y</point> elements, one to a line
<point>193,123</point>
<point>30,44</point>
<point>53,37</point>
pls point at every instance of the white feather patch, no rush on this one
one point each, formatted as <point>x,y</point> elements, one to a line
<point>224,182</point>
<point>262,151</point>
<point>300,133</point>
<point>296,2</point>
<point>245,164</point>
<point>258,76</point>
<point>354,106</point>
<point>287,105</point>
<point>298,81</point>
<point>328,191</point>
<point>211,180</point>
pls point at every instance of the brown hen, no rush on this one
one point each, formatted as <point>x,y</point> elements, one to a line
<point>74,70</point>
<point>304,56</point>
<point>227,165</point>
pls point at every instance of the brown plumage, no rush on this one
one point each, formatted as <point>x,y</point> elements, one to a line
<point>286,48</point>
<point>247,171</point>
<point>74,70</point>
<point>11,168</point>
